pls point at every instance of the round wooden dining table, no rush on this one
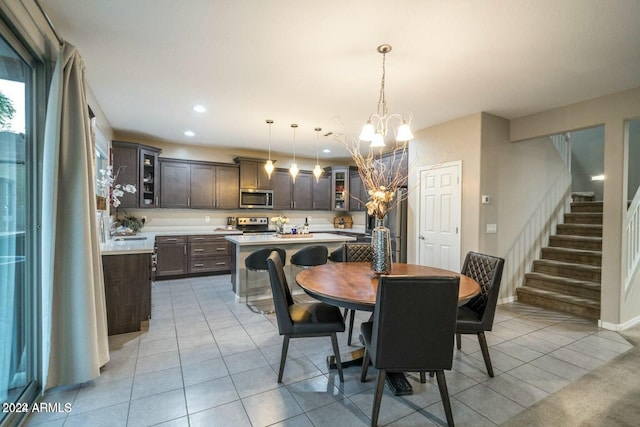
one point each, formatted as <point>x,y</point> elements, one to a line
<point>354,285</point>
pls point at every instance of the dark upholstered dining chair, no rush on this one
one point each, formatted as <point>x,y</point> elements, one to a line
<point>355,252</point>
<point>476,316</point>
<point>299,320</point>
<point>257,262</point>
<point>404,306</point>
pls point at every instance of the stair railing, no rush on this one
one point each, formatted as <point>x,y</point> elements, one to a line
<point>632,238</point>
<point>535,234</point>
<point>562,142</point>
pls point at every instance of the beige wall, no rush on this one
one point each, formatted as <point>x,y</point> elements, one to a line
<point>618,307</point>
<point>455,140</point>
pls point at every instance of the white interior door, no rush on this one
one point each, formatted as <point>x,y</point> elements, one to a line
<point>439,216</point>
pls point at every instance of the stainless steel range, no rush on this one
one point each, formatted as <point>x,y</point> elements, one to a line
<point>254,225</point>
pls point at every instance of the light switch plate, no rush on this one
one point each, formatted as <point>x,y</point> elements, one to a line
<point>492,228</point>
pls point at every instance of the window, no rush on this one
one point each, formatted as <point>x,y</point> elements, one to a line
<point>18,239</point>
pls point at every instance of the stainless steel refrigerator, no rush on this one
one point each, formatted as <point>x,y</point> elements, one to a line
<point>396,221</point>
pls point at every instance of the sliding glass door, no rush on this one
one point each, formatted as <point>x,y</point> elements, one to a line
<point>18,299</point>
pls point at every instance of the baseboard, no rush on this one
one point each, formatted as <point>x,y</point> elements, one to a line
<point>507,300</point>
<point>619,326</point>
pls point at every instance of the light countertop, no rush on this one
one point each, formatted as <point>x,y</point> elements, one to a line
<point>272,239</point>
<point>144,242</point>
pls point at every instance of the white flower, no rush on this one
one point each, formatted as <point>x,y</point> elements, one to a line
<point>108,188</point>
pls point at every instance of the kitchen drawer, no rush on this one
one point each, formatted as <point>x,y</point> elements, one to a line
<point>207,238</point>
<point>210,264</point>
<point>160,240</point>
<point>208,249</point>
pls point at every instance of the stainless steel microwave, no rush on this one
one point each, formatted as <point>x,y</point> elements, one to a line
<point>251,198</point>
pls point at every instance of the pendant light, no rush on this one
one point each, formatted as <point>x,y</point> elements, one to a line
<point>293,170</point>
<point>317,171</point>
<point>269,165</point>
<point>376,134</point>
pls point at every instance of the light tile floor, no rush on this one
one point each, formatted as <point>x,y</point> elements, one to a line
<point>207,360</point>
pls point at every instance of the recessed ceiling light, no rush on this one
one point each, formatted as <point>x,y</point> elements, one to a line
<point>199,108</point>
<point>326,150</point>
<point>189,133</point>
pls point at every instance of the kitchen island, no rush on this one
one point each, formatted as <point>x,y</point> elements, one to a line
<point>242,246</point>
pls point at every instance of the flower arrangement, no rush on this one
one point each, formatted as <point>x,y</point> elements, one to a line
<point>381,180</point>
<point>280,221</point>
<point>108,187</point>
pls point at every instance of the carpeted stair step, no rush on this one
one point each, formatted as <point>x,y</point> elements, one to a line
<point>583,307</point>
<point>593,230</point>
<point>564,285</point>
<point>587,207</point>
<point>576,242</point>
<point>576,256</point>
<point>591,273</point>
<point>583,218</point>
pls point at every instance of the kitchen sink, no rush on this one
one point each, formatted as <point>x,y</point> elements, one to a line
<point>119,238</point>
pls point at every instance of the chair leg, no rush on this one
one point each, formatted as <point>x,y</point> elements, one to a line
<point>485,352</point>
<point>444,395</point>
<point>378,397</point>
<point>283,357</point>
<point>459,341</point>
<point>351,319</point>
<point>336,352</point>
<point>365,366</point>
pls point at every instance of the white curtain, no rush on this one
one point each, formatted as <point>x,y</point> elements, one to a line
<point>75,343</point>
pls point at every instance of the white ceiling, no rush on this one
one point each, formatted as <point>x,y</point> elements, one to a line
<point>315,62</point>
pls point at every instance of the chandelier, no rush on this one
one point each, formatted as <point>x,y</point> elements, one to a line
<point>375,130</point>
<point>268,167</point>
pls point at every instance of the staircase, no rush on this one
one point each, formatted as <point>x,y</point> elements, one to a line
<point>567,278</point>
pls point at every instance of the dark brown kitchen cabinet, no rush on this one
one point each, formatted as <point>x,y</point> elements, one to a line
<point>358,193</point>
<point>322,193</point>
<point>339,188</point>
<point>209,254</point>
<point>281,181</point>
<point>175,188</point>
<point>137,165</point>
<point>198,185</point>
<point>172,256</point>
<point>127,285</point>
<point>227,188</point>
<point>252,173</point>
<point>288,195</point>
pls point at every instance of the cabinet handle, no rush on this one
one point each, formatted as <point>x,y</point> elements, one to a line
<point>221,249</point>
<point>171,239</point>
<point>189,201</point>
<point>198,238</point>
<point>156,201</point>
<point>198,250</point>
<point>198,265</point>
<point>185,249</point>
<point>221,263</point>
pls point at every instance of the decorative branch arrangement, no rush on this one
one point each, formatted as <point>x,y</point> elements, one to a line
<point>381,180</point>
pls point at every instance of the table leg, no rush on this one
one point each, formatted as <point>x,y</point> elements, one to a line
<point>396,381</point>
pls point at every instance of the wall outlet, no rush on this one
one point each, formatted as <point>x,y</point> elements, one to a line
<point>207,218</point>
<point>492,228</point>
<point>485,199</point>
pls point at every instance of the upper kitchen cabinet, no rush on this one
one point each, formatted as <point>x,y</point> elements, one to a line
<point>137,164</point>
<point>198,185</point>
<point>322,193</point>
<point>339,188</point>
<point>252,173</point>
<point>358,193</point>
<point>290,195</point>
<point>393,162</point>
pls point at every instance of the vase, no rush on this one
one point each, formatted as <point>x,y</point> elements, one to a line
<point>381,243</point>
